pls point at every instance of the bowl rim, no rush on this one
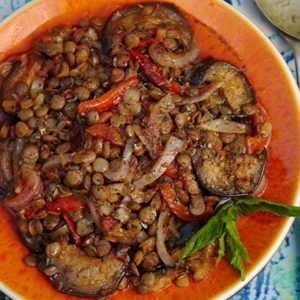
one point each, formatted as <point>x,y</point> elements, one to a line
<point>286,226</point>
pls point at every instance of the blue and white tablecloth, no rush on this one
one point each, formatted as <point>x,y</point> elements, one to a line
<point>280,280</point>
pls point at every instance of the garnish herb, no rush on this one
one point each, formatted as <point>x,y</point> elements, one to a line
<point>222,228</point>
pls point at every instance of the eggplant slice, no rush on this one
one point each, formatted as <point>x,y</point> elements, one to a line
<point>228,174</point>
<point>237,91</point>
<point>84,276</point>
<point>136,18</point>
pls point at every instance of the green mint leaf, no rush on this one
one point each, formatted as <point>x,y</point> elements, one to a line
<point>211,231</point>
<point>249,205</point>
<point>221,250</point>
<point>230,225</point>
<point>222,228</point>
<point>234,256</point>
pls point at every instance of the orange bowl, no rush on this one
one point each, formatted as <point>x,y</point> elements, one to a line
<point>223,34</point>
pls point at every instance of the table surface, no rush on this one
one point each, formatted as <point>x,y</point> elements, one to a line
<point>281,277</point>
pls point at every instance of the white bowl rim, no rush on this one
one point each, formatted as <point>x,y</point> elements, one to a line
<point>236,287</point>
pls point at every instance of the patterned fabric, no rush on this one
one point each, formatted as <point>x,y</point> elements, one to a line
<point>281,277</point>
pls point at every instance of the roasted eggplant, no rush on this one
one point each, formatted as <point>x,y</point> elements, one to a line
<point>228,174</point>
<point>149,20</point>
<point>237,90</point>
<point>80,275</point>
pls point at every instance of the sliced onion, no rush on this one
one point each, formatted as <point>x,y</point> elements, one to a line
<point>206,91</point>
<point>165,58</point>
<point>161,237</point>
<point>150,135</point>
<point>29,187</point>
<point>261,187</point>
<point>122,171</point>
<point>56,161</point>
<point>18,149</point>
<point>225,126</point>
<point>5,162</point>
<point>173,147</point>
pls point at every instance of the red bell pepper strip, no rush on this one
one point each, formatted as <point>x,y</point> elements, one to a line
<point>65,204</point>
<point>72,227</point>
<point>154,73</point>
<point>180,210</point>
<point>110,99</point>
<point>106,132</point>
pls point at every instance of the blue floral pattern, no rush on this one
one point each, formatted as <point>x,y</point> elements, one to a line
<point>280,279</point>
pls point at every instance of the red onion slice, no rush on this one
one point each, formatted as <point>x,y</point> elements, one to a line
<point>173,147</point>
<point>161,237</point>
<point>121,172</point>
<point>225,126</point>
<point>29,187</point>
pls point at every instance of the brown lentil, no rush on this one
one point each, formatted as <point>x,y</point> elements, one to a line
<point>21,129</point>
<point>100,165</point>
<point>57,102</point>
<point>51,221</point>
<point>134,225</point>
<point>53,249</point>
<point>25,114</point>
<point>90,250</point>
<point>92,117</point>
<point>82,93</point>
<point>69,47</point>
<point>103,248</point>
<point>150,261</point>
<point>41,111</point>
<point>23,226</point>
<point>88,157</point>
<point>138,257</point>
<point>73,178</point>
<point>35,227</point>
<point>182,281</point>
<point>30,261</point>
<point>50,271</point>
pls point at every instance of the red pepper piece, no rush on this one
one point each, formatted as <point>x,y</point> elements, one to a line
<point>107,223</point>
<point>72,227</point>
<point>110,99</point>
<point>180,210</point>
<point>65,204</point>
<point>256,144</point>
<point>105,116</point>
<point>146,42</point>
<point>107,133</point>
<point>172,171</point>
<point>154,73</point>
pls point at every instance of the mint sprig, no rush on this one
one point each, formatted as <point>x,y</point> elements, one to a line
<point>222,228</point>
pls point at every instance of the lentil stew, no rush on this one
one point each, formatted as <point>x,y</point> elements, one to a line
<point>115,135</point>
